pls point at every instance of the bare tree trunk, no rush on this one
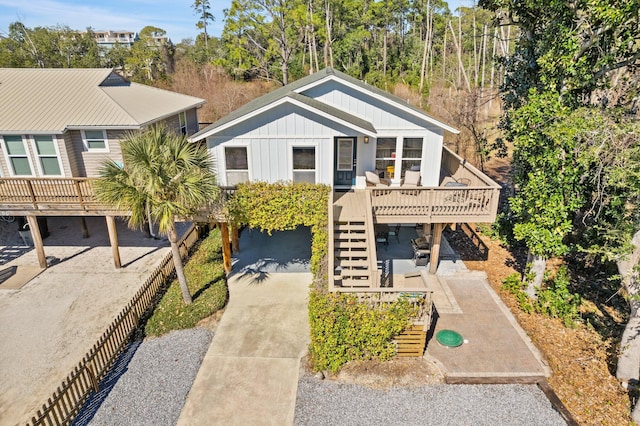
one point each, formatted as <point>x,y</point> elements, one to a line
<point>328,47</point>
<point>493,65</point>
<point>475,48</point>
<point>384,53</point>
<point>629,359</point>
<point>444,55</point>
<point>461,69</point>
<point>177,262</point>
<point>484,63</point>
<point>538,266</point>
<point>427,42</point>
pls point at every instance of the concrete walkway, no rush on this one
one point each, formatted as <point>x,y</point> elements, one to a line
<point>249,375</point>
<point>495,349</point>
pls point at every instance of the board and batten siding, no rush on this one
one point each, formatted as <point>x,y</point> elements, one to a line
<point>381,114</point>
<point>270,138</point>
<point>270,159</point>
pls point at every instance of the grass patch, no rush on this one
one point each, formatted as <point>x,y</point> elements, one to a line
<point>208,286</point>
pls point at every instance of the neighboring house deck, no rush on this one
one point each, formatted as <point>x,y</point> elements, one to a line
<point>57,127</point>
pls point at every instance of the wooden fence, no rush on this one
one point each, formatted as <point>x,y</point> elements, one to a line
<point>68,398</point>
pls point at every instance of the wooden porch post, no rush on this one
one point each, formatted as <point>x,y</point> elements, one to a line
<point>226,249</point>
<point>113,239</point>
<point>235,241</point>
<point>37,240</point>
<point>435,246</point>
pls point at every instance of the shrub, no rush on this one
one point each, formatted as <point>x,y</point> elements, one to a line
<point>208,286</point>
<point>555,299</point>
<point>344,329</point>
<point>514,285</point>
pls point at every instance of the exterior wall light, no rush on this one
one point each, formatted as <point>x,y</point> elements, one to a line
<point>366,139</point>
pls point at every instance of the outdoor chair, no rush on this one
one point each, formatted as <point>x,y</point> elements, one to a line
<point>411,179</point>
<point>373,179</point>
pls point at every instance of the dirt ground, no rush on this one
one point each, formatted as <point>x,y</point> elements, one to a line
<point>48,325</point>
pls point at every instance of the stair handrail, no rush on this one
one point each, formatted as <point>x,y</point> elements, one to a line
<point>371,240</point>
<point>331,250</point>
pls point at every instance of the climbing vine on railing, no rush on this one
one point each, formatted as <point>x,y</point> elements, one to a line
<point>283,206</point>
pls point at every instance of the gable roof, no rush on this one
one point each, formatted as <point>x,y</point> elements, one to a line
<point>294,90</point>
<point>51,100</point>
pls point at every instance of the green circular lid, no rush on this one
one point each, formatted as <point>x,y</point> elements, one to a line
<point>449,338</point>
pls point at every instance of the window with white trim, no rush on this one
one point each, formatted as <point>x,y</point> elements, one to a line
<point>304,164</point>
<point>17,155</point>
<point>386,157</point>
<point>183,122</point>
<point>95,140</point>
<point>47,154</point>
<point>411,154</point>
<point>237,164</point>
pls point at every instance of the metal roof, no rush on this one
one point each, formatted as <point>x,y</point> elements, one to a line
<point>298,86</point>
<point>51,100</point>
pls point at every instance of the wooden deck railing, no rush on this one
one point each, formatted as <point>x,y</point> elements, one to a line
<point>476,202</point>
<point>49,195</point>
<point>434,204</point>
<point>68,398</point>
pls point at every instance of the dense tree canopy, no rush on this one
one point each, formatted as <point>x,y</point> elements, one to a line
<point>570,96</point>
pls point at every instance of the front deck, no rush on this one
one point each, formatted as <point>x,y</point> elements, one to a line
<point>357,217</point>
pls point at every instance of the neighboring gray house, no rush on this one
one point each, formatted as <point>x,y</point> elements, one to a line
<point>65,122</point>
<point>326,128</point>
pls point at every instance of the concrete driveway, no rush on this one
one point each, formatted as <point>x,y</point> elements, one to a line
<point>249,375</point>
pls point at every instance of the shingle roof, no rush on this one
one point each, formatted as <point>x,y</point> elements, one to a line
<point>53,100</point>
<point>295,87</point>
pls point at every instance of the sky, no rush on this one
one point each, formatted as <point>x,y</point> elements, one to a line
<point>176,17</point>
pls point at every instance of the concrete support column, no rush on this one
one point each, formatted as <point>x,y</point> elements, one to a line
<point>37,240</point>
<point>113,239</point>
<point>226,247</point>
<point>435,246</point>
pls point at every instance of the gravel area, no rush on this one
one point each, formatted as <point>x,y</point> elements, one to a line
<point>331,403</point>
<point>150,381</point>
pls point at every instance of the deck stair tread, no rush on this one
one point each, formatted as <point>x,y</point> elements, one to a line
<point>354,263</point>
<point>359,235</point>
<point>354,283</point>
<point>354,273</point>
<point>350,244</point>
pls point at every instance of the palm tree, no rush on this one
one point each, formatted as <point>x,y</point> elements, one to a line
<point>164,177</point>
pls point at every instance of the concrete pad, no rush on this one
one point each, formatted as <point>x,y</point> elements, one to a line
<point>243,391</point>
<point>280,252</point>
<point>250,372</point>
<point>495,344</point>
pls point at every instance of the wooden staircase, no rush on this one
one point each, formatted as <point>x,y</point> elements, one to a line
<point>354,253</point>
